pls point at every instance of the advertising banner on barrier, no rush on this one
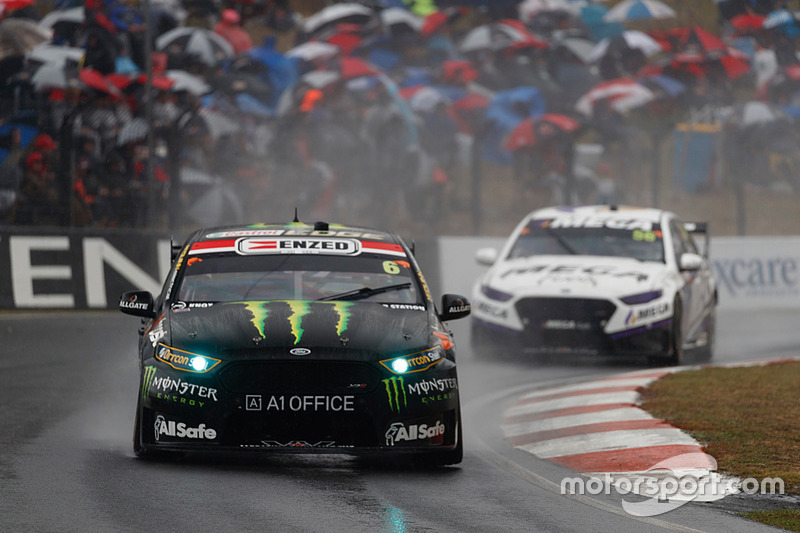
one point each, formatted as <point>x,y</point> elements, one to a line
<point>78,268</point>
<point>757,272</point>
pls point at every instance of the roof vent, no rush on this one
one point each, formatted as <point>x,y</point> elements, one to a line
<point>321,226</point>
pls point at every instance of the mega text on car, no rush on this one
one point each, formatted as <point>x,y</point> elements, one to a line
<point>295,337</point>
<point>597,280</point>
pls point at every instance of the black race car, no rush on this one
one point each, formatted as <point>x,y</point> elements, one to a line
<point>295,337</point>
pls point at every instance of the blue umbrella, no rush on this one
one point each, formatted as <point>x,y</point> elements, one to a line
<point>26,133</point>
<point>669,85</point>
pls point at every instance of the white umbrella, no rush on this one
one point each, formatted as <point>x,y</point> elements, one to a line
<point>184,81</point>
<point>491,37</point>
<point>528,9</point>
<point>73,15</point>
<point>219,124</point>
<point>20,35</point>
<point>344,12</point>
<point>633,39</point>
<point>133,131</point>
<point>579,47</point>
<point>427,99</point>
<point>313,50</point>
<point>753,113</point>
<point>623,94</point>
<point>53,76</point>
<point>204,44</point>
<point>638,10</point>
<point>395,17</point>
<point>54,54</point>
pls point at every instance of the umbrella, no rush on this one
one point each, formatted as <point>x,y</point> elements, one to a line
<point>205,45</point>
<point>427,99</point>
<point>346,12</point>
<point>779,17</point>
<point>633,39</point>
<point>94,79</point>
<point>7,6</point>
<point>441,19</point>
<point>528,9</point>
<point>694,39</point>
<point>133,131</point>
<point>353,67</point>
<point>218,124</point>
<point>50,53</point>
<point>755,113</point>
<point>747,22</point>
<point>313,51</point>
<point>72,16</point>
<point>399,21</point>
<point>320,79</point>
<point>628,10</point>
<point>533,130</point>
<point>576,48</point>
<point>54,76</point>
<point>623,94</point>
<point>498,35</point>
<point>184,81</point>
<point>665,85</point>
<point>17,36</point>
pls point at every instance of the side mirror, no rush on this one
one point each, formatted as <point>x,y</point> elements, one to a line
<point>486,256</point>
<point>454,307</point>
<point>691,262</point>
<point>137,303</point>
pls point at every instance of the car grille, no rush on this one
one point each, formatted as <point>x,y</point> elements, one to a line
<point>300,377</point>
<point>569,323</point>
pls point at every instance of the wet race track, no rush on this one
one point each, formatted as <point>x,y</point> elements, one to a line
<point>68,398</point>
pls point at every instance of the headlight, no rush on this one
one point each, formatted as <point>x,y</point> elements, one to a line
<point>642,297</point>
<point>494,294</point>
<point>415,362</point>
<point>186,361</point>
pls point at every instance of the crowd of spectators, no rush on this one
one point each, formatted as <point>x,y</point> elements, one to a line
<point>378,109</point>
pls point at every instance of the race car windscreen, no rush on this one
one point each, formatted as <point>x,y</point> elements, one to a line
<point>235,278</point>
<point>540,237</point>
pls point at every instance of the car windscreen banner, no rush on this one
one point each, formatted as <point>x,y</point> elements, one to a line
<point>51,268</point>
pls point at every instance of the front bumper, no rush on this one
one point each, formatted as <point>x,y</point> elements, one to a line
<point>308,406</point>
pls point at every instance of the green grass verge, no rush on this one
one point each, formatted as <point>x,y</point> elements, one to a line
<point>788,519</point>
<point>745,417</point>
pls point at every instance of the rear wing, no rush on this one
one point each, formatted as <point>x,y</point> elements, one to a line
<point>700,234</point>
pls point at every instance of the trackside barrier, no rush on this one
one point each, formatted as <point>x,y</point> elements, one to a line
<point>51,268</point>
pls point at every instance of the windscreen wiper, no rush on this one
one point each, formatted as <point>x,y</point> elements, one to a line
<point>366,292</point>
<point>561,240</point>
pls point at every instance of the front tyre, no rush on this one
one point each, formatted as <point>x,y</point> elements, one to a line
<point>677,355</point>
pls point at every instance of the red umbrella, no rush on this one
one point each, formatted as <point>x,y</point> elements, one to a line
<point>7,6</point>
<point>353,67</point>
<point>94,79</point>
<point>748,22</point>
<point>694,39</point>
<point>533,130</point>
<point>441,20</point>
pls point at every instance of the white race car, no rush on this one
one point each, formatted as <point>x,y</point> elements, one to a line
<point>597,280</point>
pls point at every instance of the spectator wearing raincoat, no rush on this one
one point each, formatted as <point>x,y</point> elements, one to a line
<point>230,29</point>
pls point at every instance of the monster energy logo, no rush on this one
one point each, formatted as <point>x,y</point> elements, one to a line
<point>147,379</point>
<point>299,309</point>
<point>395,388</point>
